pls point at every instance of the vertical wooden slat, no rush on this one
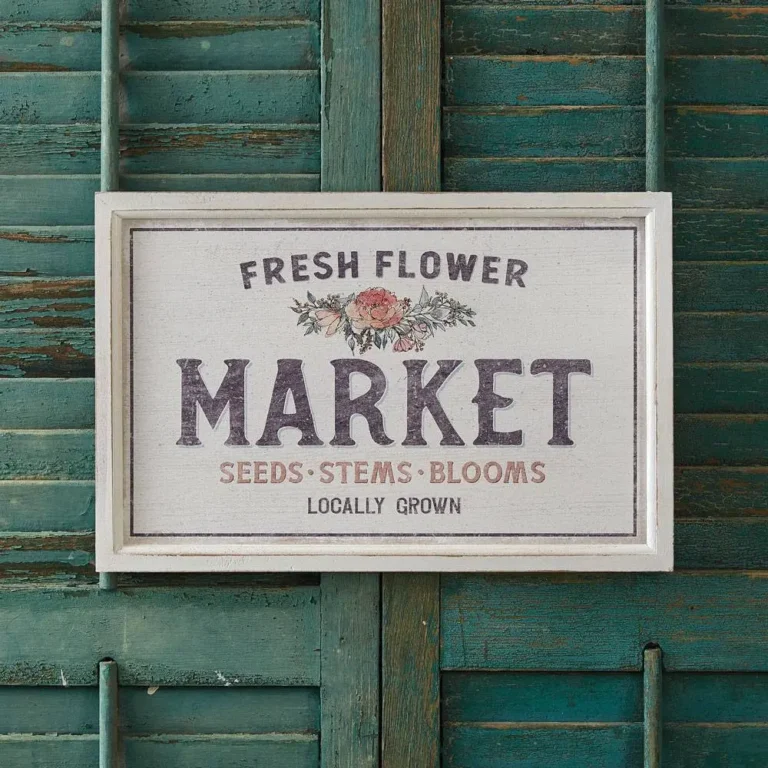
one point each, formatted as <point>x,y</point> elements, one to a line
<point>109,755</point>
<point>110,106</point>
<point>350,108</point>
<point>350,147</point>
<point>410,670</point>
<point>349,670</point>
<point>110,122</point>
<point>411,95</point>
<point>654,95</point>
<point>652,707</point>
<point>410,735</point>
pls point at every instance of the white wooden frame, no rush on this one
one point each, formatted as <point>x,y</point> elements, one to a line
<point>114,553</point>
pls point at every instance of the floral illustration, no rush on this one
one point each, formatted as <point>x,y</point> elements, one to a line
<point>377,318</point>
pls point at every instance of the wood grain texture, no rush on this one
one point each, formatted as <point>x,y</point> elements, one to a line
<point>47,505</point>
<point>45,354</point>
<point>350,113</point>
<point>275,751</point>
<point>703,621</point>
<point>695,182</point>
<point>600,80</point>
<point>159,10</point>
<point>349,686</point>
<point>161,148</point>
<point>709,439</point>
<point>65,454</point>
<point>47,403</point>
<point>411,98</point>
<point>601,697</point>
<point>44,709</point>
<point>709,131</point>
<point>167,45</point>
<point>53,251</point>
<point>410,670</point>
<point>277,96</point>
<point>721,491</point>
<point>191,636</point>
<point>600,29</point>
<point>716,388</point>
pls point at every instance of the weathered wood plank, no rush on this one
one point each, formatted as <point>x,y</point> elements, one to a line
<point>274,750</point>
<point>46,403</point>
<point>350,114</point>
<point>731,235</point>
<point>159,10</point>
<point>35,302</point>
<point>191,636</point>
<point>349,669</point>
<point>410,672</point>
<point>706,286</point>
<point>47,505</point>
<point>610,746</point>
<point>543,697</point>
<point>240,149</point>
<point>729,544</point>
<point>705,620</point>
<point>601,697</point>
<point>47,354</point>
<point>35,47</point>
<point>411,96</point>
<point>606,745</point>
<point>711,439</point>
<point>714,337</point>
<point>222,45</point>
<point>50,251</point>
<point>709,131</point>
<point>720,491</point>
<point>46,454</point>
<point>601,80</point>
<point>236,710</point>
<point>220,182</point>
<point>277,96</point>
<point>695,182</point>
<point>736,388</point>
<point>600,29</point>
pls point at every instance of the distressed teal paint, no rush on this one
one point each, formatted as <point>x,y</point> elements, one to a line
<point>109,752</point>
<point>350,112</point>
<point>609,28</point>
<point>601,80</point>
<point>654,99</point>
<point>703,620</point>
<point>110,95</point>
<point>277,96</point>
<point>62,454</point>
<point>46,505</point>
<point>652,704</point>
<point>178,636</point>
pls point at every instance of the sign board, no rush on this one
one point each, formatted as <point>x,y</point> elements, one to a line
<point>384,382</point>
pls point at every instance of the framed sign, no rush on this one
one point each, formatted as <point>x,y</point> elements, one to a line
<point>384,382</point>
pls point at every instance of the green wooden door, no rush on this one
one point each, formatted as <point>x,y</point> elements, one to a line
<point>398,670</point>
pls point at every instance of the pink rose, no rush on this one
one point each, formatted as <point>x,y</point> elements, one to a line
<point>403,344</point>
<point>375,308</point>
<point>328,319</point>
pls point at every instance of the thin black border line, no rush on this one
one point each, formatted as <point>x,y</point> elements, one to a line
<point>382,535</point>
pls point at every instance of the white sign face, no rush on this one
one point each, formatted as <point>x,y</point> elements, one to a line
<point>384,382</point>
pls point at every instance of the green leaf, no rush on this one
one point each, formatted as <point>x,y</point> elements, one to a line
<point>424,298</point>
<point>310,297</point>
<point>303,317</point>
<point>351,342</point>
<point>309,330</point>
